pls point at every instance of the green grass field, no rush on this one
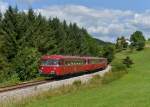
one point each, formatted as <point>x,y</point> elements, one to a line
<point>132,90</point>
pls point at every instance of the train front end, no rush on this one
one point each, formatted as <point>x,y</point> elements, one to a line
<point>49,66</point>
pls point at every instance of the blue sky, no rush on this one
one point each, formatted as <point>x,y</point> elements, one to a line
<point>104,19</point>
<point>136,5</point>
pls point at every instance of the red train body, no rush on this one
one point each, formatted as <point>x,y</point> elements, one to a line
<point>59,65</point>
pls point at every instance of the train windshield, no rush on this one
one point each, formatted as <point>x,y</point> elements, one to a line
<point>49,62</point>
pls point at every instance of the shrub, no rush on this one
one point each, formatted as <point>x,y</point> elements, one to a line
<point>138,40</point>
<point>5,73</point>
<point>109,53</point>
<point>128,62</point>
<point>121,44</point>
<point>140,46</point>
<point>25,64</point>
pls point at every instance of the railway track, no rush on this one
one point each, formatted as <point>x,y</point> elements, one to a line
<point>24,90</point>
<point>27,84</point>
<point>23,85</point>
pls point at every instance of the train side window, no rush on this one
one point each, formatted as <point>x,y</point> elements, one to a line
<point>70,63</point>
<point>60,62</point>
<point>101,60</point>
<point>79,62</point>
<point>67,63</point>
<point>82,62</point>
<point>76,62</point>
<point>86,61</point>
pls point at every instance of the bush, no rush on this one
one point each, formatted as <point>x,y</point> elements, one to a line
<point>128,62</point>
<point>25,63</point>
<point>138,40</point>
<point>140,46</point>
<point>121,44</point>
<point>109,53</point>
<point>5,73</point>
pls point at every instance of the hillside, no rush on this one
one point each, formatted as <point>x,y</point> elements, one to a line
<point>132,90</point>
<point>100,42</point>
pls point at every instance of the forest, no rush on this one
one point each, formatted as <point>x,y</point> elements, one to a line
<point>26,36</point>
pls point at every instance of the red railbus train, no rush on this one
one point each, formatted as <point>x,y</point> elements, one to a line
<point>59,65</point>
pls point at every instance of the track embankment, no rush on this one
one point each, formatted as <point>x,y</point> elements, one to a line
<point>31,90</point>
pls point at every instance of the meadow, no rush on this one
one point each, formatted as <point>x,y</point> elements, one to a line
<point>131,90</point>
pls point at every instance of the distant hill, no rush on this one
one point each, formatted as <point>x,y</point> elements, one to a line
<point>101,42</point>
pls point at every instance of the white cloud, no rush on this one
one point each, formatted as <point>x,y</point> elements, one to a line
<point>3,6</point>
<point>105,24</point>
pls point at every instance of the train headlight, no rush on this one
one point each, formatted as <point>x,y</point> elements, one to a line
<point>40,71</point>
<point>53,72</point>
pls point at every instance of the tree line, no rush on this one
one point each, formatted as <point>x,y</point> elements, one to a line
<point>26,36</point>
<point>136,42</point>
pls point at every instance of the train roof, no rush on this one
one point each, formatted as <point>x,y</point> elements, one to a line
<point>67,57</point>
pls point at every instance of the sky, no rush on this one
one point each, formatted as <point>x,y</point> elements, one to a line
<point>103,19</point>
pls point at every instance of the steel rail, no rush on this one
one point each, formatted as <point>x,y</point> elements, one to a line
<point>23,85</point>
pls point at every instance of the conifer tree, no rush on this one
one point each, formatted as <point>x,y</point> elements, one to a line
<point>9,32</point>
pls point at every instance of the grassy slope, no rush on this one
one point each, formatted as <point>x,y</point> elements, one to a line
<point>132,90</point>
